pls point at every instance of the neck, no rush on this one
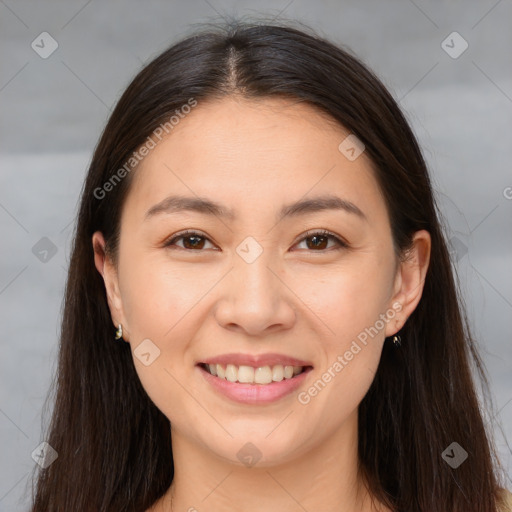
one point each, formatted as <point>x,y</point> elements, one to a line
<point>324,478</point>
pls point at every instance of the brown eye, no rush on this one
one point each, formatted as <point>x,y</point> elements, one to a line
<point>316,241</point>
<point>191,240</point>
<point>320,239</point>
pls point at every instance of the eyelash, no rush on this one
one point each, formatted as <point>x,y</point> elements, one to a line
<point>309,234</point>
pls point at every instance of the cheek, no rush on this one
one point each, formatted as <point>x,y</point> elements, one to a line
<point>349,302</point>
<point>351,348</point>
<point>159,306</point>
<point>347,299</point>
<point>158,296</point>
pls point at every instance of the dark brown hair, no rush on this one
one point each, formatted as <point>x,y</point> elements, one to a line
<point>114,444</point>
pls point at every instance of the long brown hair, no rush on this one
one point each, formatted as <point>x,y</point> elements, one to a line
<point>114,444</point>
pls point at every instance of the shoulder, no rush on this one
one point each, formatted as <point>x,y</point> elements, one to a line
<point>505,504</point>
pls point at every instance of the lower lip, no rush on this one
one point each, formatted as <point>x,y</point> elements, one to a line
<point>254,393</point>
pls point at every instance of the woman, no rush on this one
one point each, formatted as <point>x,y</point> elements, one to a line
<point>258,228</point>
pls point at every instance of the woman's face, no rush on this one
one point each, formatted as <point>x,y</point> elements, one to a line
<point>251,287</point>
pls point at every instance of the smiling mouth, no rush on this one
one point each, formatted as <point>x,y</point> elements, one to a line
<point>262,375</point>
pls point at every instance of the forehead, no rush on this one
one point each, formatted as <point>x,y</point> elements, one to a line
<point>254,154</point>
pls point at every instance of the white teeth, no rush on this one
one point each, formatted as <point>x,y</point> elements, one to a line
<point>288,372</point>
<point>278,373</point>
<point>263,375</point>
<point>231,373</point>
<point>246,374</point>
<point>250,375</point>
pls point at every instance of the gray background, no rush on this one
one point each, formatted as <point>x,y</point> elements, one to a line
<point>53,110</point>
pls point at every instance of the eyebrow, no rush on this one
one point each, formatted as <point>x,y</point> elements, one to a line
<point>175,204</point>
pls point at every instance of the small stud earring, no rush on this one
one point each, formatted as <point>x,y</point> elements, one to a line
<point>119,332</point>
<point>397,341</point>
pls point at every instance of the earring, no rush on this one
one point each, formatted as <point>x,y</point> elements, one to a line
<point>397,341</point>
<point>119,332</point>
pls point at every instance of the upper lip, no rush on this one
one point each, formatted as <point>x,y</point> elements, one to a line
<point>255,361</point>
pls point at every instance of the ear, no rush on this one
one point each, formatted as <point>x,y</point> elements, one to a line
<point>108,271</point>
<point>410,279</point>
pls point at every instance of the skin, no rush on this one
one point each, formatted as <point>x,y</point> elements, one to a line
<point>294,299</point>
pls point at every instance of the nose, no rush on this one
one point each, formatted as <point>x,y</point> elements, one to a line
<point>255,299</point>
